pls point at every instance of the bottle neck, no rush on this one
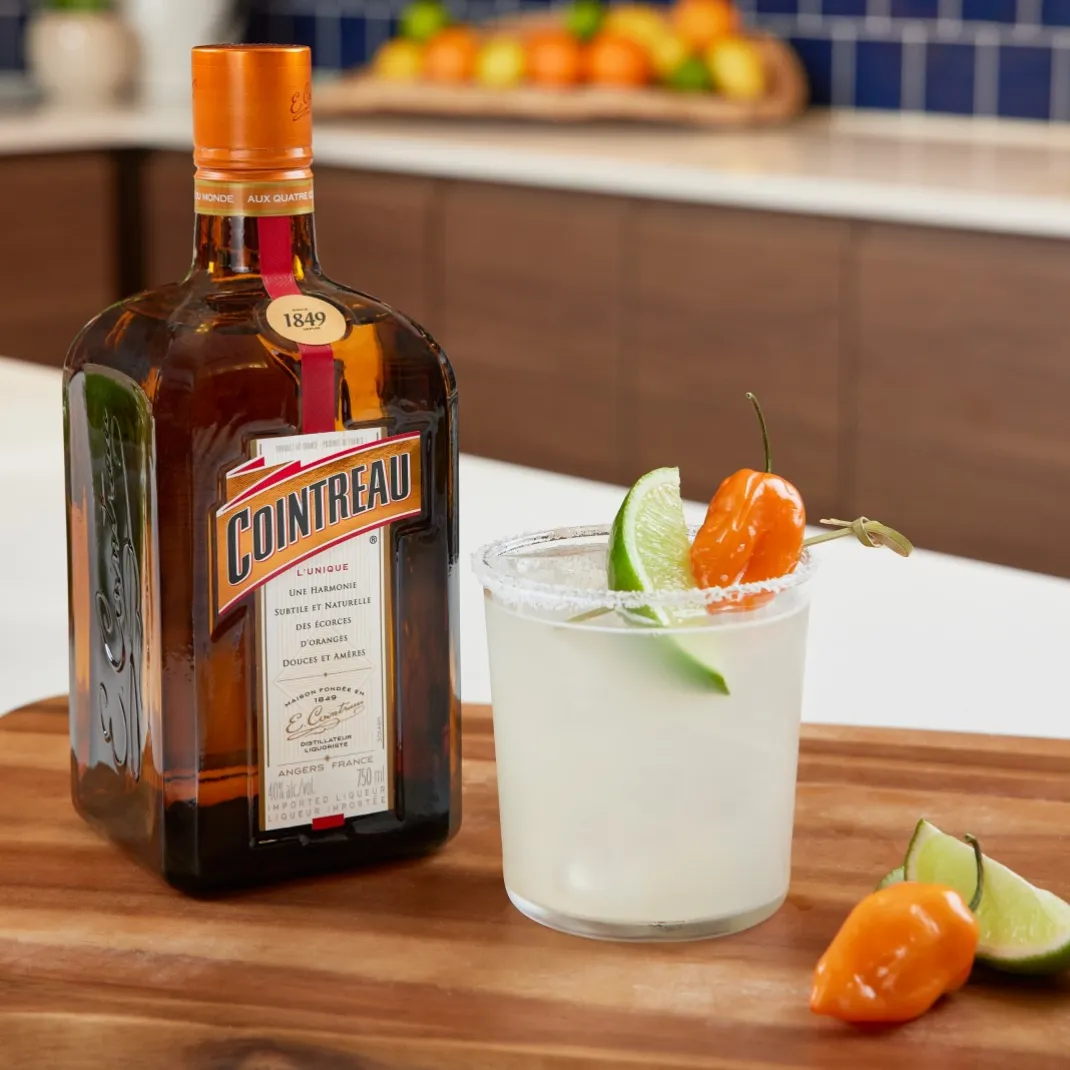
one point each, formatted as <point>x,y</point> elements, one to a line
<point>231,245</point>
<point>254,228</point>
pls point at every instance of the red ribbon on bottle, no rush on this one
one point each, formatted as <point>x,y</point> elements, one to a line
<point>317,362</point>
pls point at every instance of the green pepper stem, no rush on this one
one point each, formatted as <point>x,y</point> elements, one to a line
<point>765,431</point>
<point>979,860</point>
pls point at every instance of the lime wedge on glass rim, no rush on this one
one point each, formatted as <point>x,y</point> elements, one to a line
<point>895,877</point>
<point>1024,929</point>
<point>650,550</point>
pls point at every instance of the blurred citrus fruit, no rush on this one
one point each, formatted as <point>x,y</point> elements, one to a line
<point>668,52</point>
<point>736,68</point>
<point>399,60</point>
<point>554,57</point>
<point>616,60</point>
<point>450,56</point>
<point>500,62</point>
<point>584,17</point>
<point>639,22</point>
<point>422,19</point>
<point>690,77</point>
<point>701,22</point>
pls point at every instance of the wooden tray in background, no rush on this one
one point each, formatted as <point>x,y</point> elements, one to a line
<point>363,94</point>
<point>426,966</point>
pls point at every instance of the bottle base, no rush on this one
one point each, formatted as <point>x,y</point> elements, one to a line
<point>644,932</point>
<point>218,871</point>
<point>180,851</point>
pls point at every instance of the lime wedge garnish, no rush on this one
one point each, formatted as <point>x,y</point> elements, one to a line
<point>650,550</point>
<point>1023,929</point>
<point>649,547</point>
<point>895,877</point>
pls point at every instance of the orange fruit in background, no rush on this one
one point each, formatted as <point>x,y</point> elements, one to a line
<point>616,60</point>
<point>450,56</point>
<point>554,57</point>
<point>701,22</point>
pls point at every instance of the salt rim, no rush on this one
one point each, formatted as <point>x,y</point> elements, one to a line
<point>520,590</point>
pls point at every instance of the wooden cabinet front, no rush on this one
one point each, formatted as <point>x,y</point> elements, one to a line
<point>963,367</point>
<point>60,211</point>
<point>529,308</point>
<point>720,303</point>
<point>374,233</point>
<point>167,207</point>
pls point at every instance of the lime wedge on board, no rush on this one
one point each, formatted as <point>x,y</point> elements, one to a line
<point>1023,929</point>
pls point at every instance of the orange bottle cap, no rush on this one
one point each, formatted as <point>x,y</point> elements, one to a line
<point>252,111</point>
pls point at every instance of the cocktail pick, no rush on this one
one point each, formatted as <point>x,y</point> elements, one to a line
<point>867,532</point>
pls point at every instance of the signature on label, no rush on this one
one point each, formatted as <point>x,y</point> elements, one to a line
<point>318,720</point>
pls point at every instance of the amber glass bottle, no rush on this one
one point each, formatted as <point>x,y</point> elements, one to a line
<point>261,474</point>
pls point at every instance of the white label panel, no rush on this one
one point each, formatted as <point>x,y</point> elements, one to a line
<point>324,735</point>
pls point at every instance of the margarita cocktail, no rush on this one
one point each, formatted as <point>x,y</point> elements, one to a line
<point>646,772</point>
<point>647,684</point>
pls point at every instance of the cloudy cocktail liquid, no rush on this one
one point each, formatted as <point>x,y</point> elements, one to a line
<point>638,799</point>
<point>647,685</point>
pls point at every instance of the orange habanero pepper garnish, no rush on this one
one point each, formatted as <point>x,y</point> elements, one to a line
<point>753,529</point>
<point>898,952</point>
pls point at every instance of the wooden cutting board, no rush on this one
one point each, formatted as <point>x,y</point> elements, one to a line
<point>426,966</point>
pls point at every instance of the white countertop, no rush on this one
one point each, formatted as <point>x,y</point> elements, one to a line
<point>927,642</point>
<point>979,174</point>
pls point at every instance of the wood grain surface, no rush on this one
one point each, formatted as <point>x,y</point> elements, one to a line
<point>60,209</point>
<point>167,217</point>
<point>426,966</point>
<point>960,400</point>
<point>720,302</point>
<point>528,306</point>
<point>375,233</point>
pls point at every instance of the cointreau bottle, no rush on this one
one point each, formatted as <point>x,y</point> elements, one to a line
<point>262,479</point>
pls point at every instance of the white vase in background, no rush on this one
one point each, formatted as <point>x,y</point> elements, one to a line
<point>166,31</point>
<point>83,58</point>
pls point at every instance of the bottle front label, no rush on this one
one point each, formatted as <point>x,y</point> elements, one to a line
<point>304,527</point>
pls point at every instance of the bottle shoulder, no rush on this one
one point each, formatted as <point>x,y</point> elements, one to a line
<point>104,338</point>
<point>364,308</point>
<point>201,317</point>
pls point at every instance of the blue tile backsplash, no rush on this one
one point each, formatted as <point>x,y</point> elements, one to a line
<point>1004,11</point>
<point>968,57</point>
<point>1055,12</point>
<point>1025,82</point>
<point>949,69</point>
<point>878,74</point>
<point>914,9</point>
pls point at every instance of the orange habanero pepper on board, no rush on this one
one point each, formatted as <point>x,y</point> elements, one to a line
<point>898,952</point>
<point>753,529</point>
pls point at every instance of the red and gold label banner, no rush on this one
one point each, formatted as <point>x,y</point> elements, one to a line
<point>279,515</point>
<point>253,198</point>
